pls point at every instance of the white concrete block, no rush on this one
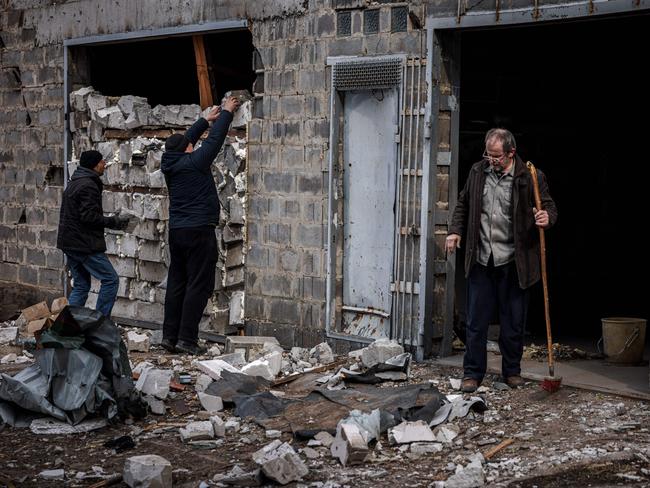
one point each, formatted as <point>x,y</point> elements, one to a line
<point>148,471</point>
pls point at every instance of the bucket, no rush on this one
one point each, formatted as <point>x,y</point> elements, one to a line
<point>623,339</point>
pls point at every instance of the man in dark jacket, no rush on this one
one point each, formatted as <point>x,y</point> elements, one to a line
<point>81,233</point>
<point>496,215</point>
<point>193,216</point>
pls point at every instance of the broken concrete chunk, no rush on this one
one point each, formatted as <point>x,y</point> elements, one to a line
<point>243,115</point>
<point>424,448</point>
<point>469,476</point>
<point>210,403</point>
<point>446,433</point>
<point>408,432</point>
<point>128,103</point>
<point>379,351</point>
<point>197,431</point>
<point>237,211</point>
<point>95,102</point>
<point>322,353</point>
<point>78,98</point>
<point>236,311</point>
<point>325,438</point>
<point>259,367</point>
<point>349,446</point>
<point>275,362</point>
<point>155,382</point>
<point>137,342</point>
<point>8,335</point>
<point>52,474</point>
<point>280,462</point>
<point>273,434</point>
<point>246,344</point>
<point>150,471</point>
<point>9,358</point>
<point>235,359</point>
<point>218,425</point>
<point>202,382</point>
<point>214,367</point>
<point>156,405</point>
<point>103,115</point>
<point>238,477</point>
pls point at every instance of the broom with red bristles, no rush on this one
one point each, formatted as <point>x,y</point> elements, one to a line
<point>551,383</point>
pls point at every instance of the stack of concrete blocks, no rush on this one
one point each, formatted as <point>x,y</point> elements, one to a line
<point>115,126</point>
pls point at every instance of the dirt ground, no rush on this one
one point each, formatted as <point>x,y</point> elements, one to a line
<point>572,438</point>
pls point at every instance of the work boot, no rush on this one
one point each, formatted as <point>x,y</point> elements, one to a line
<point>515,381</point>
<point>168,345</point>
<point>469,385</point>
<point>192,349</point>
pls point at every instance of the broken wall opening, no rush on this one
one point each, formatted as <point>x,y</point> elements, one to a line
<point>164,70</point>
<point>571,94</point>
<point>130,134</point>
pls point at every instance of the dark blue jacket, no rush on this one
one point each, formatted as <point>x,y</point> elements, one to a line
<point>193,200</point>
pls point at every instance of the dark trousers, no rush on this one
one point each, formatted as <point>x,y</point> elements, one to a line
<point>190,281</point>
<point>489,290</point>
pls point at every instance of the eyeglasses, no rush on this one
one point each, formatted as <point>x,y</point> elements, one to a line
<point>494,159</point>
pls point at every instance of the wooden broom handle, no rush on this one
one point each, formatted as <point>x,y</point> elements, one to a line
<point>542,249</point>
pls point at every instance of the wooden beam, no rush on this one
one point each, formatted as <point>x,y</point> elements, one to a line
<point>205,90</point>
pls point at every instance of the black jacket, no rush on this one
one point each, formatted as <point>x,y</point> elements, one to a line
<point>193,200</point>
<point>82,221</point>
<point>466,220</point>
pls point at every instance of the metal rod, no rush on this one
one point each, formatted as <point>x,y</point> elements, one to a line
<point>372,311</point>
<point>66,149</point>
<point>406,199</point>
<point>414,203</point>
<point>398,217</point>
<point>330,305</point>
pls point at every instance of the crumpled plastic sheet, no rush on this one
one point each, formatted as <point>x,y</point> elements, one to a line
<point>455,406</point>
<point>381,372</point>
<point>83,369</point>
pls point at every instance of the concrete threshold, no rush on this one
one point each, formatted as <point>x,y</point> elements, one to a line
<point>587,374</point>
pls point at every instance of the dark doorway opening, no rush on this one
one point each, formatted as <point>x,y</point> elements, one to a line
<point>575,95</point>
<point>164,70</point>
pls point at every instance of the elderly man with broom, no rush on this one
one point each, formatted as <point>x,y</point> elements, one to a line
<point>498,219</point>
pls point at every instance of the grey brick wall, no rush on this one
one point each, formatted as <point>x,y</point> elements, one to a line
<point>287,154</point>
<point>31,145</point>
<point>287,163</point>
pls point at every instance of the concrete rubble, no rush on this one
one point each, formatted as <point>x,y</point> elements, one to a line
<point>280,462</point>
<point>148,471</point>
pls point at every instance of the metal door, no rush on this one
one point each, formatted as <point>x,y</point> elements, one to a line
<point>370,119</point>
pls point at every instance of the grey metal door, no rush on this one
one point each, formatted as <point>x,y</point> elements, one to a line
<point>369,183</point>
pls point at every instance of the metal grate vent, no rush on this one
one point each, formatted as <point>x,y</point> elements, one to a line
<point>367,74</point>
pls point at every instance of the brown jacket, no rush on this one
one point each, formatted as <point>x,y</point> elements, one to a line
<point>466,219</point>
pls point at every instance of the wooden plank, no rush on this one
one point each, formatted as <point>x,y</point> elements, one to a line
<point>130,134</point>
<point>205,90</point>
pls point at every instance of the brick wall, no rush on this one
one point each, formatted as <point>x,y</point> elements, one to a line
<point>31,155</point>
<point>288,161</point>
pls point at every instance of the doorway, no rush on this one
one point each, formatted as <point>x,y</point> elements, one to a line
<point>574,95</point>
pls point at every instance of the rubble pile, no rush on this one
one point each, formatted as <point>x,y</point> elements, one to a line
<point>131,135</point>
<point>560,352</point>
<point>204,436</point>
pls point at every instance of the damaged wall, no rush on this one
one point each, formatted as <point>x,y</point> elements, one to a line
<point>131,135</point>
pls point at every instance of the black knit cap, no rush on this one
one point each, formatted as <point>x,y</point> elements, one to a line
<point>177,143</point>
<point>90,159</point>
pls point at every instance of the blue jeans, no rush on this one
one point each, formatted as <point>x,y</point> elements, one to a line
<point>83,266</point>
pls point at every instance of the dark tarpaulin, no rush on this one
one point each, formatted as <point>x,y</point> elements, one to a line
<point>321,410</point>
<point>236,384</point>
<point>83,369</point>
